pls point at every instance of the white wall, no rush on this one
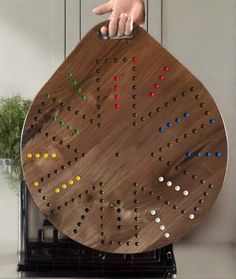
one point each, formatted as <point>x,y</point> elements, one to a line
<point>201,34</point>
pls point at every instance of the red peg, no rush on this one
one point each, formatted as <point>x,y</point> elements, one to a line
<point>166,69</point>
<point>116,78</point>
<point>151,94</point>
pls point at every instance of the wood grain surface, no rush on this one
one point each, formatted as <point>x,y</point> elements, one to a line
<point>123,149</point>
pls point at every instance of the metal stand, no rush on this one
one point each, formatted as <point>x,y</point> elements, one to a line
<point>55,257</point>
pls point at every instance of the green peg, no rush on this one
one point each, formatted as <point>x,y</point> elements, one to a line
<point>76,131</point>
<point>68,127</point>
<point>78,90</point>
<point>54,119</point>
<point>47,95</point>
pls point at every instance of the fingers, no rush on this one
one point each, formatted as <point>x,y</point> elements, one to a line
<point>103,9</point>
<point>104,30</point>
<point>122,25</point>
<point>113,25</point>
<point>119,25</point>
<point>129,27</point>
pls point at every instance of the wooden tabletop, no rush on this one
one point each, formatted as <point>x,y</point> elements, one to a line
<point>123,149</point>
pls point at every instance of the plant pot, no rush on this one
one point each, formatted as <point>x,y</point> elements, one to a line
<point>6,164</point>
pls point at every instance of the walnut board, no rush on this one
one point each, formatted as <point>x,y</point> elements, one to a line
<point>123,149</point>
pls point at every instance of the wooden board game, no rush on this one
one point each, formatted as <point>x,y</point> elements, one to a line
<point>123,149</point>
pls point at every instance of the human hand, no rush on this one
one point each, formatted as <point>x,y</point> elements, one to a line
<point>123,13</point>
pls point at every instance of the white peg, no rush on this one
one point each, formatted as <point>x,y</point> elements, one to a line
<point>161,179</point>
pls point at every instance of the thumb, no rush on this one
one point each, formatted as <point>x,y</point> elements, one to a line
<point>103,9</point>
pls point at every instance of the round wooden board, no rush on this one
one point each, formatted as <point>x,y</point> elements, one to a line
<point>123,149</point>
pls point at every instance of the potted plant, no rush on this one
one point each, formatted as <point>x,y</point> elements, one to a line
<point>13,111</point>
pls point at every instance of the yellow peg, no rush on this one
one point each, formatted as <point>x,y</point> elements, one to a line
<point>64,186</point>
<point>71,182</point>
